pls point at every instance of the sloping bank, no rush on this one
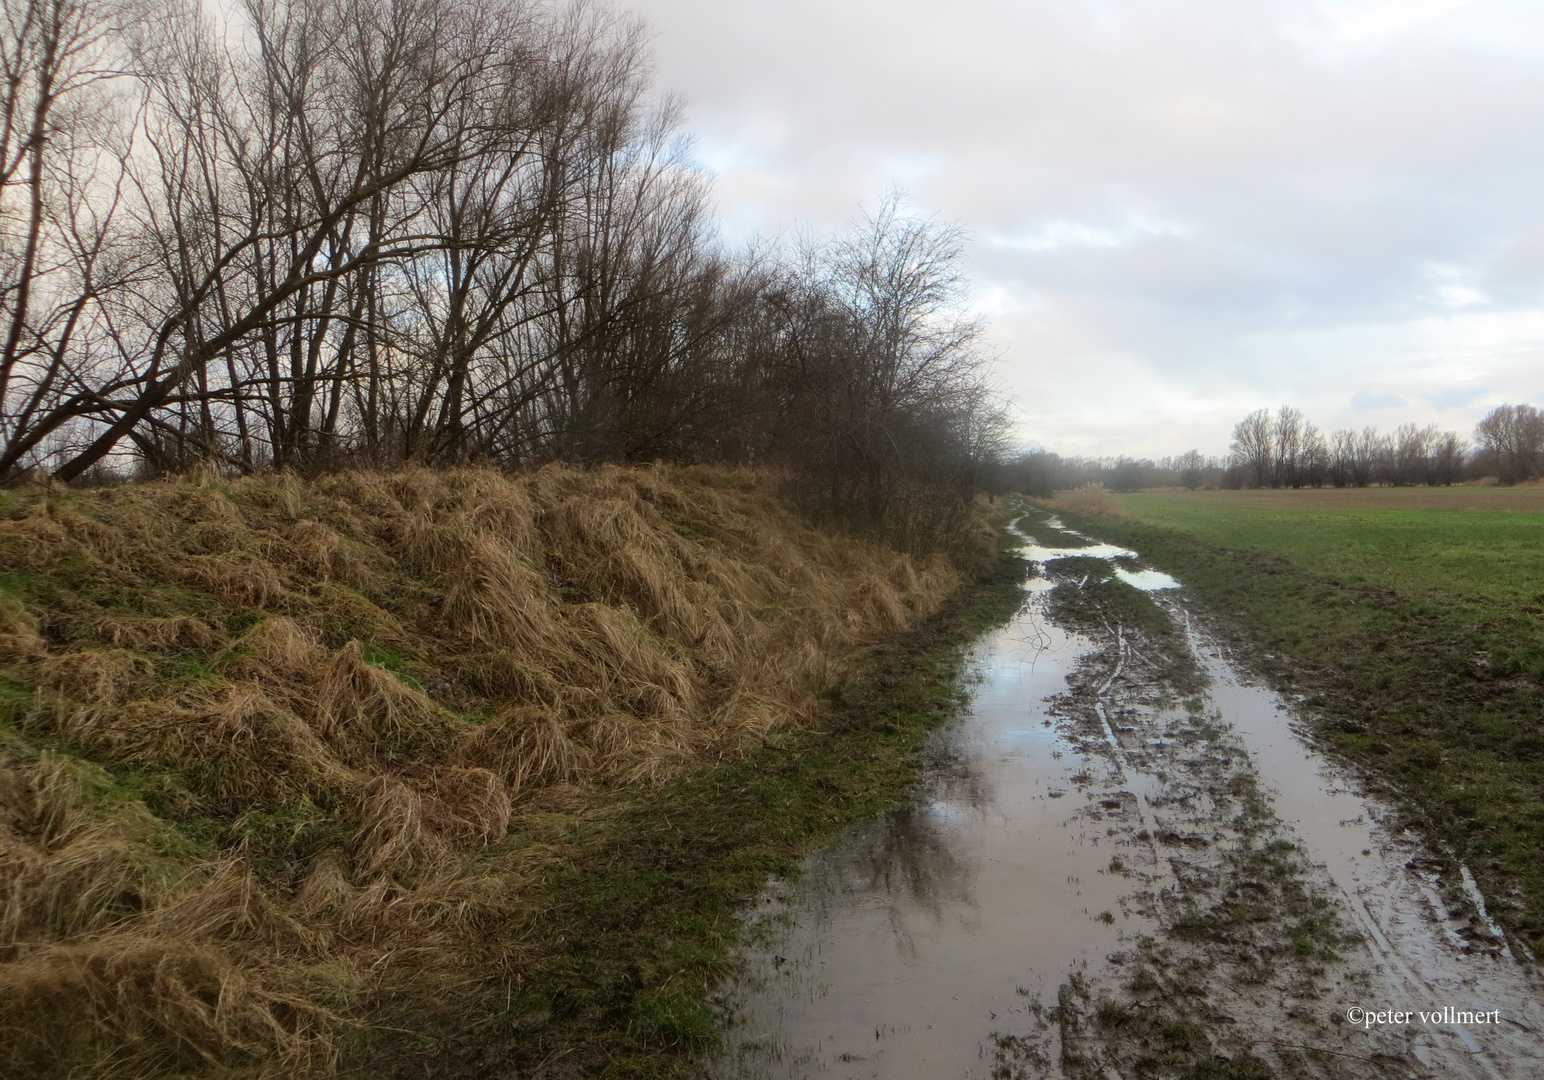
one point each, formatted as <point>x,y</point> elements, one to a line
<point>431,773</point>
<point>1419,688</point>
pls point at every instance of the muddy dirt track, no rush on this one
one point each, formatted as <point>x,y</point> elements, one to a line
<point>1125,861</point>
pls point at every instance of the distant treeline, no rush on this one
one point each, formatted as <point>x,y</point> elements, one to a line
<point>1041,472</point>
<point>1283,450</point>
<point>310,234</point>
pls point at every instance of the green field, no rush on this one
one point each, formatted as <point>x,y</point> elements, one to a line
<point>1409,622</point>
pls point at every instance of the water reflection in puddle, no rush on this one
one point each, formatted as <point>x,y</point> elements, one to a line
<point>1146,580</point>
<point>908,943</point>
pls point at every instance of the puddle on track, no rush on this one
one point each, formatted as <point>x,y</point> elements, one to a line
<point>907,948</point>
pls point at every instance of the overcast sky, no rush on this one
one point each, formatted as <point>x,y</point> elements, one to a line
<point>1181,210</point>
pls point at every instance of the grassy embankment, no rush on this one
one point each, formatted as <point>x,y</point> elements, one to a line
<point>1410,620</point>
<point>429,773</point>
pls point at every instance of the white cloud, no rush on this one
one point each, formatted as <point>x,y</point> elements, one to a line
<point>1183,209</point>
<point>1059,234</point>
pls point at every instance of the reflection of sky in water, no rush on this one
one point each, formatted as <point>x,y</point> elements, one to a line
<point>1040,554</point>
<point>946,811</point>
<point>1146,580</point>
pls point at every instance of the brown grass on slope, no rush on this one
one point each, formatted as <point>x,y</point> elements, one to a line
<point>261,735</point>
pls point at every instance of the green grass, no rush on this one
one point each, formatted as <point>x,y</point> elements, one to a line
<point>1413,635</point>
<point>1436,555</point>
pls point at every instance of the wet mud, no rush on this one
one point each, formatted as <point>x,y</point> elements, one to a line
<point>1126,860</point>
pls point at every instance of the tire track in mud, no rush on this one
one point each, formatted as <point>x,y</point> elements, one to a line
<point>1375,936</point>
<point>1100,694</point>
<point>1367,956</point>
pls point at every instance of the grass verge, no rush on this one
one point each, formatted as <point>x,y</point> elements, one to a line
<point>638,919</point>
<point>1410,636</point>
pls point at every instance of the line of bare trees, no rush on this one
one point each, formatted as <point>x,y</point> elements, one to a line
<point>308,233</point>
<point>1284,450</point>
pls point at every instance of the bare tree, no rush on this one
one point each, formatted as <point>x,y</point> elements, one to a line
<point>1354,457</point>
<point>1191,467</point>
<point>1513,436</point>
<point>1445,458</point>
<point>66,257</point>
<point>1253,450</point>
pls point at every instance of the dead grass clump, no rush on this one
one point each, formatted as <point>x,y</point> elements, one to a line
<point>625,651</point>
<point>432,544</point>
<point>500,508</point>
<point>367,713</point>
<point>436,915</point>
<point>512,678</point>
<point>497,601</point>
<point>242,581</point>
<point>224,902</point>
<point>146,633</point>
<point>197,502</point>
<point>528,747</point>
<point>251,749</point>
<point>98,540</point>
<point>33,542</point>
<point>394,835</point>
<point>19,637</point>
<point>327,889</point>
<point>277,646</point>
<point>283,493</point>
<point>37,799</point>
<point>70,863</point>
<point>621,550</point>
<point>239,749</point>
<point>749,717</point>
<point>875,605</point>
<point>360,495</point>
<point>322,553</point>
<point>611,740</point>
<point>468,805</point>
<point>215,537</point>
<point>127,1006</point>
<point>101,676</point>
<point>625,748</point>
<point>100,878</point>
<point>346,613</point>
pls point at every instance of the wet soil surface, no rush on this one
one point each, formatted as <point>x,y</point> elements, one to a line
<point>1127,861</point>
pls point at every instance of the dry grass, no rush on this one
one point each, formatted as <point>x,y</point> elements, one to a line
<point>267,738</point>
<point>1088,499</point>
